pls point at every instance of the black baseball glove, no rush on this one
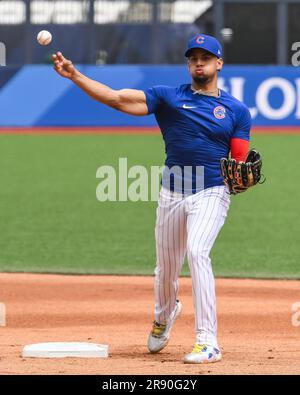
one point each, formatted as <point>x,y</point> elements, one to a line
<point>239,176</point>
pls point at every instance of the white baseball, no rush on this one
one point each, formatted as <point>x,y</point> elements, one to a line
<point>44,37</point>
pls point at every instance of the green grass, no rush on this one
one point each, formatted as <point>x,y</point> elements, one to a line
<point>51,220</point>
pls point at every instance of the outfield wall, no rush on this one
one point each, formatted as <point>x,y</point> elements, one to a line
<point>35,95</point>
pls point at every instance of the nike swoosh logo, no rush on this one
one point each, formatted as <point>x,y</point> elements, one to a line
<point>185,106</point>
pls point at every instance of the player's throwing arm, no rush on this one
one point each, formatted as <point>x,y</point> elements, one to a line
<point>130,101</point>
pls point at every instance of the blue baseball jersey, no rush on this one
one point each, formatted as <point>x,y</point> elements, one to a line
<point>197,130</point>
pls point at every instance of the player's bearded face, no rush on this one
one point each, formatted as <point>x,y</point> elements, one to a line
<point>203,66</point>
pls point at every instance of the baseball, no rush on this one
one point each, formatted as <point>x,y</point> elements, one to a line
<point>44,37</point>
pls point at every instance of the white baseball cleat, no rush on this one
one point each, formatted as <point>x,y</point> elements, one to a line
<point>160,334</point>
<point>203,353</point>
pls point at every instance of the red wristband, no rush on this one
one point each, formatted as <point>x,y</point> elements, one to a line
<point>239,149</point>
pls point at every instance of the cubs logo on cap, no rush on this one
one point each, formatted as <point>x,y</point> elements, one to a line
<point>219,112</point>
<point>200,39</point>
<point>206,42</point>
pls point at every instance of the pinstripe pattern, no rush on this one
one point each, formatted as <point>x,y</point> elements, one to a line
<point>170,234</point>
<point>189,225</point>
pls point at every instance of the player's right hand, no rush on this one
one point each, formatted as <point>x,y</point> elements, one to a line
<point>63,66</point>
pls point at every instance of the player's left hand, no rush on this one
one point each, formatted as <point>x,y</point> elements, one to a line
<point>239,176</point>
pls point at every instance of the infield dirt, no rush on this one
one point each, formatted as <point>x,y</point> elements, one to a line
<point>256,334</point>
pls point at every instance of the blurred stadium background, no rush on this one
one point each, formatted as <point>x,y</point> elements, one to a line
<point>53,138</point>
<point>149,31</point>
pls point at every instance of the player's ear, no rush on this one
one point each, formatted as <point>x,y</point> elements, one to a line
<point>188,63</point>
<point>220,63</point>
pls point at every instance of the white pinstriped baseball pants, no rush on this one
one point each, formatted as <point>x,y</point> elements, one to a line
<point>189,225</point>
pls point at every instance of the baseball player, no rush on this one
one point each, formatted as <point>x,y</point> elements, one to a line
<point>200,125</point>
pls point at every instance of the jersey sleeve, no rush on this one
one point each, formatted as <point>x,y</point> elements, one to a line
<point>155,97</point>
<point>243,124</point>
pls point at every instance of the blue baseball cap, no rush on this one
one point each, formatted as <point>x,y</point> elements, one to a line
<point>206,42</point>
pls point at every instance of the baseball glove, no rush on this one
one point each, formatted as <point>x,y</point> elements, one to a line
<point>239,176</point>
